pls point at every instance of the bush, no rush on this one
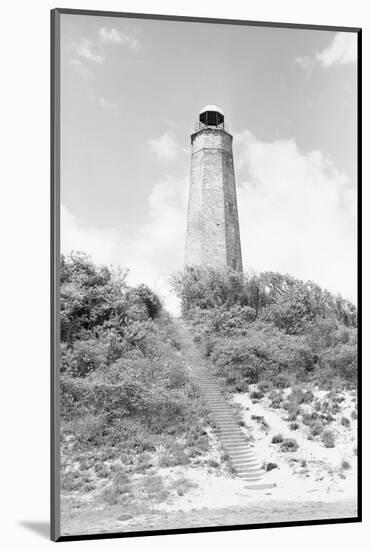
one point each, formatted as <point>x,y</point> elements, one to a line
<point>282,381</point>
<point>342,360</point>
<point>260,419</point>
<point>308,396</point>
<point>182,485</point>
<point>297,395</point>
<point>270,466</point>
<point>278,438</point>
<point>345,422</point>
<point>265,385</point>
<point>262,352</point>
<point>294,426</point>
<point>328,439</point>
<point>289,445</point>
<point>237,362</point>
<point>335,408</point>
<point>309,419</point>
<point>256,394</point>
<point>345,465</point>
<point>119,490</point>
<point>154,486</point>
<point>84,357</point>
<point>150,300</point>
<point>316,429</point>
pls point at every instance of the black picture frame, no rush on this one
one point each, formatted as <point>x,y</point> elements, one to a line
<point>55,270</point>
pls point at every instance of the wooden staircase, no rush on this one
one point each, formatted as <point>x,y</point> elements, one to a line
<point>232,438</point>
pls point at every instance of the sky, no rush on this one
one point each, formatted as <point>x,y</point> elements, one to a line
<point>131,91</point>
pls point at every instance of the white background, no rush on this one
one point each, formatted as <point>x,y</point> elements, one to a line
<point>24,353</point>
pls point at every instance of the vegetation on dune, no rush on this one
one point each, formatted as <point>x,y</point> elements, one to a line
<point>127,402</point>
<point>128,406</point>
<point>270,327</point>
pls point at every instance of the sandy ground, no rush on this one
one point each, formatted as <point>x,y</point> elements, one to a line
<point>322,474</point>
<point>115,519</point>
<point>310,483</point>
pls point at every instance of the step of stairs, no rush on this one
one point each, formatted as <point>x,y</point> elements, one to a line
<point>240,451</point>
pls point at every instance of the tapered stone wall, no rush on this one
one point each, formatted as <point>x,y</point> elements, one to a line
<point>213,235</point>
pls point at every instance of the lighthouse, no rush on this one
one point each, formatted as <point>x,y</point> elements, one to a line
<point>213,233</point>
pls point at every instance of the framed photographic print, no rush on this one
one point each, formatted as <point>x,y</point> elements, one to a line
<point>206,195</point>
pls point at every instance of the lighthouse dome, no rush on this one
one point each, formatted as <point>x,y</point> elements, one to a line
<point>211,108</point>
<point>211,115</point>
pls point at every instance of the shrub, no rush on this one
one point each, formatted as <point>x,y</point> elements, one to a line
<point>237,362</point>
<point>119,490</point>
<point>316,429</point>
<point>282,381</point>
<point>345,465</point>
<point>270,466</point>
<point>261,420</point>
<point>297,395</point>
<point>308,396</point>
<point>340,399</point>
<point>309,419</point>
<point>153,485</point>
<point>335,408</point>
<point>182,485</point>
<point>265,385</point>
<point>276,399</point>
<point>328,439</point>
<point>289,445</point>
<point>294,426</point>
<point>150,300</point>
<point>256,395</point>
<point>354,415</point>
<point>278,438</point>
<point>342,359</point>
<point>213,463</point>
<point>84,357</point>
<point>344,421</point>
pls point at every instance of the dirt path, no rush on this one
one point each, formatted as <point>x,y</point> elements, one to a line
<point>267,512</point>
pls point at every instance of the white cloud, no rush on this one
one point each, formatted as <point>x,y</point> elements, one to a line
<point>342,50</point>
<point>84,49</point>
<point>81,68</point>
<point>297,214</point>
<point>105,105</point>
<point>114,36</point>
<point>99,243</point>
<point>156,250</point>
<point>165,147</point>
<point>83,56</point>
<point>306,63</point>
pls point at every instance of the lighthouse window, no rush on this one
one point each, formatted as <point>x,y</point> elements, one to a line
<point>234,263</point>
<point>230,207</point>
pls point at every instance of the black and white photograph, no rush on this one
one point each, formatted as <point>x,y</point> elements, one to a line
<point>206,192</point>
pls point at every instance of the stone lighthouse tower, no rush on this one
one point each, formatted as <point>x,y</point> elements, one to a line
<point>213,232</point>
